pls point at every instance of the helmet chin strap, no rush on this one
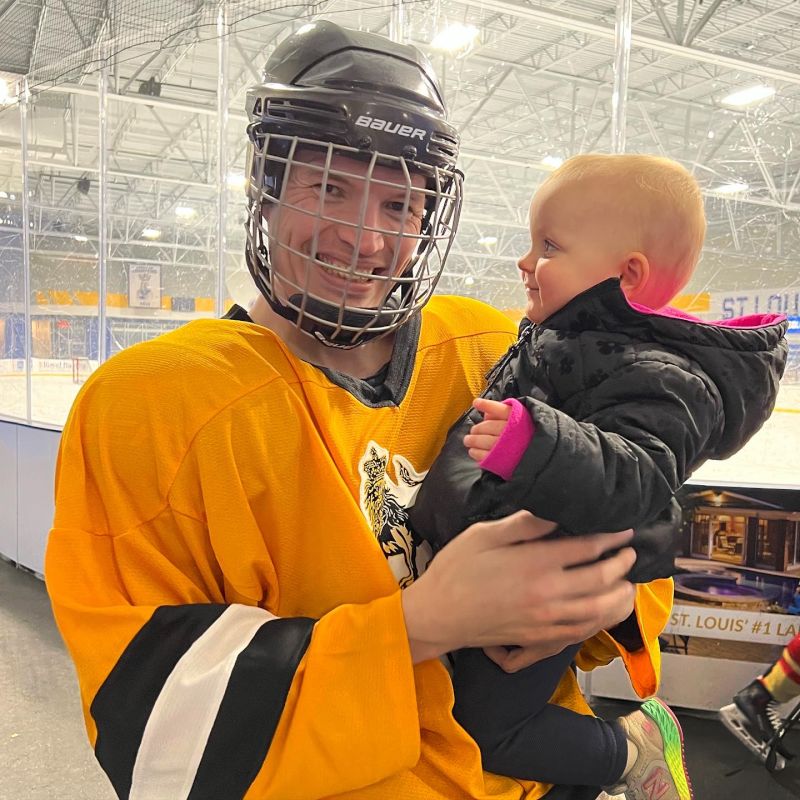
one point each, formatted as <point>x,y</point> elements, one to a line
<point>344,339</point>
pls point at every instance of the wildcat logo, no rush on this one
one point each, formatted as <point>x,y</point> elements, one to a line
<point>378,124</point>
<point>384,504</point>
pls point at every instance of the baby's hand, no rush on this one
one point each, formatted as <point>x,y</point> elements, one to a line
<point>483,436</point>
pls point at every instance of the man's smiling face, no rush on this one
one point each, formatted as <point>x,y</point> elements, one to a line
<point>343,233</point>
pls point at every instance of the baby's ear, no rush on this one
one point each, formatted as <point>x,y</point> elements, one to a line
<point>634,275</point>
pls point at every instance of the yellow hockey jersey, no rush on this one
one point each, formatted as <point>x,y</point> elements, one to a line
<point>225,564</point>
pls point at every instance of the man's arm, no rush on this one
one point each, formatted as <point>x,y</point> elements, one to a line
<point>186,694</point>
<point>184,690</point>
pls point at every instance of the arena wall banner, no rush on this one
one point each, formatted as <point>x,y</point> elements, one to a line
<point>144,286</point>
<point>727,305</point>
<point>737,594</point>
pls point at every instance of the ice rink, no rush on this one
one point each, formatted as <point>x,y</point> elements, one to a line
<point>771,457</point>
<point>52,394</point>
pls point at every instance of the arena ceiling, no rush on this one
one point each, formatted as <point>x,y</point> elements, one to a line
<point>535,85</point>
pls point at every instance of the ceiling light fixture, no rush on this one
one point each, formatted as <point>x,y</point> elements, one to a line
<point>6,97</point>
<point>734,187</point>
<point>151,233</point>
<point>469,280</point>
<point>487,240</point>
<point>235,180</point>
<point>749,96</point>
<point>184,212</point>
<point>552,162</point>
<point>80,238</point>
<point>455,37</point>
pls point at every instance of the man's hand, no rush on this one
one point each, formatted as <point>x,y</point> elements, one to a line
<point>500,583</point>
<point>483,436</point>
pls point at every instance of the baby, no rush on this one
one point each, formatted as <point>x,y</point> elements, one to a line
<point>606,404</point>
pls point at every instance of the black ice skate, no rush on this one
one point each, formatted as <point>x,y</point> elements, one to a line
<point>754,720</point>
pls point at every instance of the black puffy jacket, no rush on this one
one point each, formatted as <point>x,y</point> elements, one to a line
<point>626,405</point>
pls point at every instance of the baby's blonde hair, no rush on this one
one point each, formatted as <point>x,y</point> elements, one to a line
<point>663,200</point>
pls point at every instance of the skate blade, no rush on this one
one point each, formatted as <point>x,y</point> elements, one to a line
<point>734,721</point>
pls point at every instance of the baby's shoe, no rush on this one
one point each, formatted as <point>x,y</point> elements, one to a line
<point>659,772</point>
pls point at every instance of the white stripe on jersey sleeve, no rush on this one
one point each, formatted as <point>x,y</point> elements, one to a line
<point>184,713</point>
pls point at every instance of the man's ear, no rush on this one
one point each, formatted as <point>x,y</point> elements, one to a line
<point>634,275</point>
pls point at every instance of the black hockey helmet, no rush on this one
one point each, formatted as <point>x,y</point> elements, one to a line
<point>355,94</point>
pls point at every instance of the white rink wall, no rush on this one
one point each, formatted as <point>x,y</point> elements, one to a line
<point>27,467</point>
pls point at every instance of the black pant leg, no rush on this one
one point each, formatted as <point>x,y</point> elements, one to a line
<point>521,734</point>
<point>492,704</point>
<point>573,793</point>
<point>565,747</point>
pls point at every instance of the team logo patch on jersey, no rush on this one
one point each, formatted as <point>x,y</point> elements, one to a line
<point>384,503</point>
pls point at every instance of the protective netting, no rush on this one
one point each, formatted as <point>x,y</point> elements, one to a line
<point>76,38</point>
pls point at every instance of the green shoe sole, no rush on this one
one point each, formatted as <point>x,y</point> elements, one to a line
<point>672,735</point>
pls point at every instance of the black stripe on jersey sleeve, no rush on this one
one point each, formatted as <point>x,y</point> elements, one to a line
<point>251,709</point>
<point>124,702</point>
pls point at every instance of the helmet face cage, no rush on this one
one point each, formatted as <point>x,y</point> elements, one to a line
<point>419,230</point>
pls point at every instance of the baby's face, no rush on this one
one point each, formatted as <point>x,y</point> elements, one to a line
<point>579,237</point>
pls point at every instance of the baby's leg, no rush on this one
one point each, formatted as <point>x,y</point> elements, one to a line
<point>522,735</point>
<point>565,747</point>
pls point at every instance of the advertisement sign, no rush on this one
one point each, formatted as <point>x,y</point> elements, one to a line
<point>738,580</point>
<point>737,626</point>
<point>144,286</point>
<point>727,305</point>
<point>737,595</point>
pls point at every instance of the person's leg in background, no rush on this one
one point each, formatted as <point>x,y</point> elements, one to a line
<point>753,716</point>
